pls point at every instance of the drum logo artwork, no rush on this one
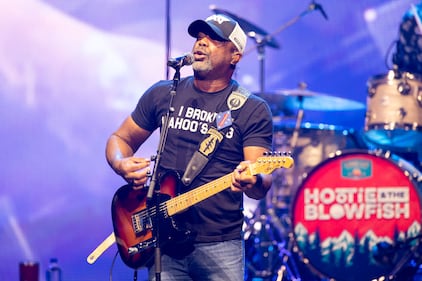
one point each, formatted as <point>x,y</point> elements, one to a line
<point>346,207</point>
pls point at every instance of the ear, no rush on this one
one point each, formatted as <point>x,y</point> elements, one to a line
<point>236,56</point>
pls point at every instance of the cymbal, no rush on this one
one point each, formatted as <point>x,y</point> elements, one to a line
<point>251,29</point>
<point>286,101</point>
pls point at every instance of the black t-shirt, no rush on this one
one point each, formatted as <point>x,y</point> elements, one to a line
<point>219,217</point>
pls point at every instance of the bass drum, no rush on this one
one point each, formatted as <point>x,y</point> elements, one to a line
<point>394,111</point>
<point>357,216</point>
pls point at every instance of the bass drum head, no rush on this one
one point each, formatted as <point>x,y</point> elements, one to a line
<point>357,216</point>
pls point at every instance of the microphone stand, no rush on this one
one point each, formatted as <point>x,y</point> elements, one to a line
<point>261,41</point>
<point>153,203</point>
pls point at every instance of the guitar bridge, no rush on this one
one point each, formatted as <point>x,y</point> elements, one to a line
<point>133,250</point>
<point>140,223</point>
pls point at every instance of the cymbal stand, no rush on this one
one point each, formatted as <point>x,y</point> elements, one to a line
<point>288,270</point>
<point>260,43</point>
<point>298,124</point>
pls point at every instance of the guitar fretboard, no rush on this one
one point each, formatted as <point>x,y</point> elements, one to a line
<point>197,195</point>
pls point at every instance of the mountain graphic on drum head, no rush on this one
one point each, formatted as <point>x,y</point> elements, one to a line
<point>346,256</point>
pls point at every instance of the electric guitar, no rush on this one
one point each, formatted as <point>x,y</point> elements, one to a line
<point>133,219</point>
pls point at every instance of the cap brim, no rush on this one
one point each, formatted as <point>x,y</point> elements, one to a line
<point>207,28</point>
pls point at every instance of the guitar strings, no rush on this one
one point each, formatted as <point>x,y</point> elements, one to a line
<point>143,214</point>
<point>182,199</point>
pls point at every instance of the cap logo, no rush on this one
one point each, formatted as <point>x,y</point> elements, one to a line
<point>218,18</point>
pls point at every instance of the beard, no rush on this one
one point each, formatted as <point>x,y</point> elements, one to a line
<point>201,69</point>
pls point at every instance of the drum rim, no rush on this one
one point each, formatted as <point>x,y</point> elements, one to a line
<point>399,126</point>
<point>370,133</point>
<point>392,73</point>
<point>278,126</point>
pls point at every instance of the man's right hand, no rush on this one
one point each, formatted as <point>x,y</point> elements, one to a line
<point>135,170</point>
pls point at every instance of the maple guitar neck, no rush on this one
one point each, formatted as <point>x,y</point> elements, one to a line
<point>197,195</point>
<point>265,165</point>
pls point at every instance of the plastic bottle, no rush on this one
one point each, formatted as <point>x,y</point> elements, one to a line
<point>54,272</point>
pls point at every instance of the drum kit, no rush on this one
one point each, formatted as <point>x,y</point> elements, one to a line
<point>351,207</point>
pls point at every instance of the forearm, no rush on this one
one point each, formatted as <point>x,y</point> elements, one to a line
<point>117,149</point>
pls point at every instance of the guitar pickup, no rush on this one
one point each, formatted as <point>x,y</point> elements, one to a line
<point>133,250</point>
<point>140,222</point>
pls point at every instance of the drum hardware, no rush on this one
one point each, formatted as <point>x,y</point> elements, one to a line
<point>262,247</point>
<point>288,270</point>
<point>269,248</point>
<point>299,118</point>
<point>404,88</point>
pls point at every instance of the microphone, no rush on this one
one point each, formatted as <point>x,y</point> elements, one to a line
<point>179,62</point>
<point>316,6</point>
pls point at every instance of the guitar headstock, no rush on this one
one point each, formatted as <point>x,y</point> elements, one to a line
<point>270,161</point>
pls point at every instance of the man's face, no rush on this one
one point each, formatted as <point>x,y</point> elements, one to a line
<point>212,56</point>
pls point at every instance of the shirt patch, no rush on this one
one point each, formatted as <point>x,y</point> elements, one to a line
<point>236,100</point>
<point>210,143</point>
<point>224,119</point>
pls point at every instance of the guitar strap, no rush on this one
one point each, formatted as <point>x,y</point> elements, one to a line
<point>215,135</point>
